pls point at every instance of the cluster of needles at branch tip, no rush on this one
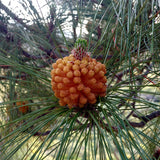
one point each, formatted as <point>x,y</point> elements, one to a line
<point>78,79</point>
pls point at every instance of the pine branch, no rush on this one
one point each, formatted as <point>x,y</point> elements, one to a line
<point>144,119</point>
<point>26,54</point>
<point>42,134</point>
<point>12,15</point>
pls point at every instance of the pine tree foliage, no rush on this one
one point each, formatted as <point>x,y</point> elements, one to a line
<point>125,36</point>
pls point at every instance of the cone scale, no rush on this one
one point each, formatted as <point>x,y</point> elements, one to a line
<point>78,79</point>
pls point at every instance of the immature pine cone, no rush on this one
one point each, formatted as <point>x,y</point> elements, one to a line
<point>23,106</point>
<point>78,79</point>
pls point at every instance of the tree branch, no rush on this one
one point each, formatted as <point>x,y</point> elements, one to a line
<point>26,54</point>
<point>145,119</point>
<point>42,133</point>
<point>12,15</point>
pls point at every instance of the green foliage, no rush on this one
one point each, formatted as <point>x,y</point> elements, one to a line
<point>81,43</point>
<point>124,124</point>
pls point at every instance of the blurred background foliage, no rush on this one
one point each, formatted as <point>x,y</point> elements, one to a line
<point>124,35</point>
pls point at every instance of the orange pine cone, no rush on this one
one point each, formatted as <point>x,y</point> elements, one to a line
<point>78,80</point>
<point>23,108</point>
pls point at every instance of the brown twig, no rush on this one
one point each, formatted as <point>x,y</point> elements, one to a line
<point>144,119</point>
<point>107,128</point>
<point>133,107</point>
<point>5,66</point>
<point>42,133</point>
